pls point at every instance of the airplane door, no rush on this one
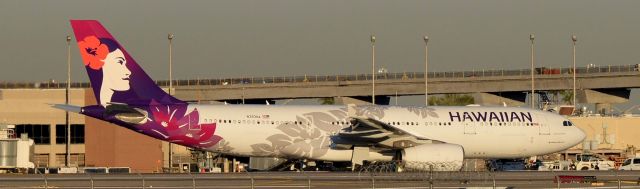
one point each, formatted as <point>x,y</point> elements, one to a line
<point>469,128</point>
<point>543,125</point>
<point>193,123</point>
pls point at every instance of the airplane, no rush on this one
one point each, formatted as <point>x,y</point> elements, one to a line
<point>422,138</point>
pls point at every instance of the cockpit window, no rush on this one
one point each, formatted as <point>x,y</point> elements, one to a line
<point>567,123</point>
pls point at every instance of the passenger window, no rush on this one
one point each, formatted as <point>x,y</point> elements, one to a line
<point>636,161</point>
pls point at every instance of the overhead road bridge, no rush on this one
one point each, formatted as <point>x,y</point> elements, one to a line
<point>600,85</point>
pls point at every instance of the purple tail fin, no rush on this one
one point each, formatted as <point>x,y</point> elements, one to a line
<point>114,75</point>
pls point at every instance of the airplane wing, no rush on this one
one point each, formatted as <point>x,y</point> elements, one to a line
<point>373,124</point>
<point>365,131</point>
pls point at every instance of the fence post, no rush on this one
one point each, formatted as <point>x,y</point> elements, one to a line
<point>193,177</point>
<point>493,176</point>
<point>143,181</point>
<point>91,178</point>
<point>373,181</point>
<point>309,183</point>
<point>619,184</point>
<point>46,183</point>
<point>430,176</point>
<point>252,182</point>
<point>558,181</point>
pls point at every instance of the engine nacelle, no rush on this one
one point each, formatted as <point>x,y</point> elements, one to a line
<point>436,157</point>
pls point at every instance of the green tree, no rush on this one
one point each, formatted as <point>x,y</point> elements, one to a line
<point>327,101</point>
<point>451,100</point>
<point>567,96</point>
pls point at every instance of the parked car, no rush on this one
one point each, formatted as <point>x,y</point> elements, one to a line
<point>586,162</point>
<point>630,164</point>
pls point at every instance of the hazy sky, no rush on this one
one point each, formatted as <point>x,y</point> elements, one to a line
<point>216,39</point>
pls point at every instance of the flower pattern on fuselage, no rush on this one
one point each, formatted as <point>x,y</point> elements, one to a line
<point>172,123</point>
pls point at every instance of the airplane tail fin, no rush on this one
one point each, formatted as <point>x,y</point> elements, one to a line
<point>115,77</point>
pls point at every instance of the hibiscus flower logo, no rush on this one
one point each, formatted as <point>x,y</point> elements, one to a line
<point>170,123</point>
<point>93,52</point>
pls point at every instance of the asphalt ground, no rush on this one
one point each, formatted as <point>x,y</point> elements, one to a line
<point>330,180</point>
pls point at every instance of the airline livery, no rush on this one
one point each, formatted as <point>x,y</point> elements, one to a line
<point>422,138</point>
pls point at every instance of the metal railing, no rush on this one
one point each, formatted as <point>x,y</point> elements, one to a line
<point>529,179</point>
<point>355,77</point>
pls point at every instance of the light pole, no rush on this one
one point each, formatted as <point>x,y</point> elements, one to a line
<point>426,71</point>
<point>574,38</point>
<point>533,94</point>
<point>170,37</point>
<point>66,101</point>
<point>373,69</point>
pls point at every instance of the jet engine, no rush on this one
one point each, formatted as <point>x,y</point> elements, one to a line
<point>436,157</point>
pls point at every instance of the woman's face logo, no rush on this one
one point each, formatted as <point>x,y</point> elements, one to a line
<point>115,71</point>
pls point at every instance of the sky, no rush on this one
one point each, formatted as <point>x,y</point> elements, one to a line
<point>242,38</point>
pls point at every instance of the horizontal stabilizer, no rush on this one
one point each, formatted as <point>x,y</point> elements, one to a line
<point>68,108</point>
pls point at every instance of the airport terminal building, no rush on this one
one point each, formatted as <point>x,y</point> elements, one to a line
<point>95,143</point>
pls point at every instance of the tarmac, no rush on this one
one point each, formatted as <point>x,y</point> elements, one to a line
<point>329,180</point>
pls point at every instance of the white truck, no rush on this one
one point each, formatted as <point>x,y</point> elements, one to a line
<point>631,164</point>
<point>586,162</point>
<point>554,165</point>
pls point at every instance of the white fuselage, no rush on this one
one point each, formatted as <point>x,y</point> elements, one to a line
<point>272,130</point>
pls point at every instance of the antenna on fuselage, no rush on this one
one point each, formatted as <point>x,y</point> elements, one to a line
<point>267,102</point>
